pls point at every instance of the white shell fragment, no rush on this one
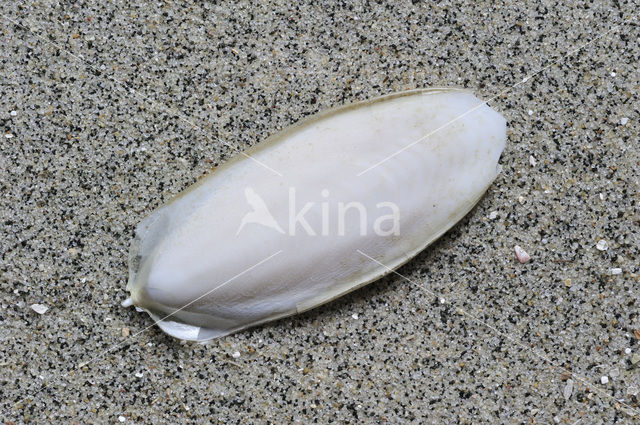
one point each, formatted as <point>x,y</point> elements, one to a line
<point>522,255</point>
<point>316,211</point>
<point>39,308</point>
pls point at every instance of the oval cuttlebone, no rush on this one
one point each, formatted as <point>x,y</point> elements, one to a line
<point>317,210</point>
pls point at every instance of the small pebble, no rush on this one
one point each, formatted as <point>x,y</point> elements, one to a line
<point>14,113</point>
<point>627,350</point>
<point>624,120</point>
<point>521,254</point>
<point>567,282</point>
<point>39,308</point>
<point>604,380</point>
<point>613,74</point>
<point>125,332</point>
<point>633,390</point>
<point>355,316</point>
<point>8,135</point>
<point>236,354</point>
<point>532,161</point>
<point>602,245</point>
<point>635,359</point>
<point>568,389</point>
<point>530,112</point>
<point>493,215</point>
<point>122,418</point>
<point>616,270</point>
<point>139,375</point>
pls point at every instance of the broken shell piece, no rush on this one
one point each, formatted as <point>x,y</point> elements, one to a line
<point>521,254</point>
<point>263,237</point>
<point>39,308</point>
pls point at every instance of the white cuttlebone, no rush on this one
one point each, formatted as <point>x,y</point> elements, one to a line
<point>192,258</point>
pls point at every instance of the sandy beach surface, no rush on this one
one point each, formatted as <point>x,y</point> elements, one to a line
<point>109,109</point>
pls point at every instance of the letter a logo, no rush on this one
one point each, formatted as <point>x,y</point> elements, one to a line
<point>260,213</point>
